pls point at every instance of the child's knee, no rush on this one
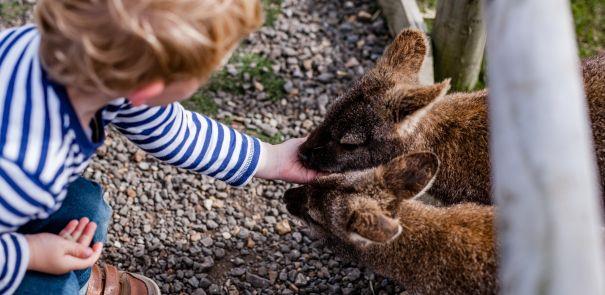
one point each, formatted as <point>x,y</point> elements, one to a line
<point>85,199</point>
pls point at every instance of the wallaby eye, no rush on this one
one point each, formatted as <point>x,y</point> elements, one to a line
<point>352,139</point>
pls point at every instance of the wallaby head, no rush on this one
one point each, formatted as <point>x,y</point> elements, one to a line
<point>360,130</point>
<point>361,207</point>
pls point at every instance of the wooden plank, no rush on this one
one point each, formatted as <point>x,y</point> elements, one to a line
<point>459,42</point>
<point>545,179</point>
<point>402,14</point>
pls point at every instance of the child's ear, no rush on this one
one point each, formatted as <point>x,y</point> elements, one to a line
<point>406,53</point>
<point>369,224</point>
<point>144,93</point>
<point>406,101</point>
<point>410,176</point>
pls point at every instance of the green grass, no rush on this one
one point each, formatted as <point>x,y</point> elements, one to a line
<point>252,65</point>
<point>589,18</point>
<point>202,103</point>
<point>275,139</point>
<point>257,67</point>
<point>272,11</point>
<point>13,12</point>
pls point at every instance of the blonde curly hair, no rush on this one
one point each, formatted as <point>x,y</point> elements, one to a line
<point>114,46</point>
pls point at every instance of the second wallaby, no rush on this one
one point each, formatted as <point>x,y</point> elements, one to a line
<point>371,217</point>
<point>387,113</point>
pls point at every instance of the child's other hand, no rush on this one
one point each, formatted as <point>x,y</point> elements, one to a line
<point>70,250</point>
<point>281,162</point>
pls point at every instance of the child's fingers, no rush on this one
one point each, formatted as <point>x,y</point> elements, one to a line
<point>69,228</point>
<point>87,235</point>
<point>79,229</point>
<point>75,263</point>
<point>74,249</point>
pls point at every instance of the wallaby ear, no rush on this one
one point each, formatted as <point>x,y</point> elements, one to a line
<point>406,101</point>
<point>353,138</point>
<point>409,176</point>
<point>369,224</point>
<point>406,53</point>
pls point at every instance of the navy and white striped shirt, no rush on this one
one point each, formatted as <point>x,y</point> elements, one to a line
<point>43,146</point>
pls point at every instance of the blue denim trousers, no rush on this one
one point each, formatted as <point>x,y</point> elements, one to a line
<point>84,199</point>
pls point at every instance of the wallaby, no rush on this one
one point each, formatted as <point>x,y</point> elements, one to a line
<point>387,113</point>
<point>372,217</point>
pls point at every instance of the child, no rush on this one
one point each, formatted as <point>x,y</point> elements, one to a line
<point>88,64</point>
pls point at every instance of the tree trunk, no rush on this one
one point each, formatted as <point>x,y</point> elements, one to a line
<point>544,171</point>
<point>459,42</point>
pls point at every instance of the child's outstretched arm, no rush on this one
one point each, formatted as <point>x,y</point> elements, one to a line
<point>195,142</point>
<point>281,162</point>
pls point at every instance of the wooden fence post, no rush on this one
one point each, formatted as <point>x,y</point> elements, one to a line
<point>459,41</point>
<point>545,182</point>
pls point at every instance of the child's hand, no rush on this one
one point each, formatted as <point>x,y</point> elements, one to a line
<point>281,162</point>
<point>70,250</point>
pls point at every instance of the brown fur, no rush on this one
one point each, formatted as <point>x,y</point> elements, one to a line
<point>371,217</point>
<point>389,114</point>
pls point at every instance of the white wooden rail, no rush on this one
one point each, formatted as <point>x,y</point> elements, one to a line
<point>543,163</point>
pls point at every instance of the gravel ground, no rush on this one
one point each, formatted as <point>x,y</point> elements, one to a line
<point>195,235</point>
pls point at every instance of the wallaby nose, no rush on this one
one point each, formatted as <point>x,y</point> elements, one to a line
<point>296,200</point>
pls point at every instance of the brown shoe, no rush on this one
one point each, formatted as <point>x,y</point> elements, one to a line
<point>109,281</point>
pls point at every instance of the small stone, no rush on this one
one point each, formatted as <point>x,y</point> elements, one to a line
<point>307,124</point>
<point>207,264</point>
<point>364,16</point>
<point>195,237</point>
<point>211,224</point>
<point>205,283</point>
<point>301,280</point>
<point>219,253</point>
<point>194,282</point>
<point>238,261</point>
<point>143,166</point>
<point>283,227</point>
<point>270,219</point>
<point>257,281</point>
<point>297,237</point>
<point>237,271</point>
<point>272,276</point>
<point>214,289</point>
<point>308,64</point>
<point>258,86</point>
<point>199,291</point>
<point>352,62</point>
<point>131,193</point>
<point>288,86</point>
<point>250,243</point>
<point>207,241</point>
<point>353,275</point>
<point>138,156</point>
<point>208,204</point>
<point>226,235</point>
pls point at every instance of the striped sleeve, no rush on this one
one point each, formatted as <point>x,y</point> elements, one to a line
<point>14,257</point>
<point>191,141</point>
<point>22,197</point>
